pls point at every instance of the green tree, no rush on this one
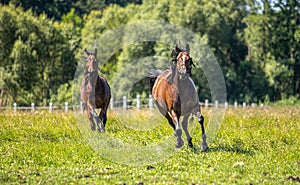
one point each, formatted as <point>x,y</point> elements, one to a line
<point>273,45</point>
<point>286,46</point>
<point>38,58</point>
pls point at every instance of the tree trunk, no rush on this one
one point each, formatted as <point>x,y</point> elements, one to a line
<point>1,97</point>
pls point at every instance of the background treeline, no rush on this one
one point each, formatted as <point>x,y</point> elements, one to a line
<point>257,44</point>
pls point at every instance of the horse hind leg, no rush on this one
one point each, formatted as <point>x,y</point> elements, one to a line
<point>185,129</point>
<point>204,145</point>
<point>103,117</point>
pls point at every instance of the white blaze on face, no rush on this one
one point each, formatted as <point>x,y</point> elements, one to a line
<point>183,58</point>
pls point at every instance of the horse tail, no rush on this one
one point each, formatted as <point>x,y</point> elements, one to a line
<point>153,74</point>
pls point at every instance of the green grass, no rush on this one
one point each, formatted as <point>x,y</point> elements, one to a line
<point>253,146</point>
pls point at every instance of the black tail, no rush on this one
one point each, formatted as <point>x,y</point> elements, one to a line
<point>152,81</point>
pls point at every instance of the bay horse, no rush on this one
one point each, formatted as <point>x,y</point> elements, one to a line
<point>95,92</point>
<point>175,95</point>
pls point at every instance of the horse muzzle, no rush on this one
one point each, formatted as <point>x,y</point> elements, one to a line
<point>182,70</point>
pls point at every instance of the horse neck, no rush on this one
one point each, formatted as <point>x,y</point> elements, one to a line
<point>175,75</point>
<point>92,78</point>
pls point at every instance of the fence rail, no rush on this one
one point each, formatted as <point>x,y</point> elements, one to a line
<point>124,104</point>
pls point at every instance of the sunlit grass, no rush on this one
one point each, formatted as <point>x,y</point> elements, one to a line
<point>253,146</point>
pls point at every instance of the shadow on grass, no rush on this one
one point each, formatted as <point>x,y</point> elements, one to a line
<point>231,149</point>
<point>223,148</point>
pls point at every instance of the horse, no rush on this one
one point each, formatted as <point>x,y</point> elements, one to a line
<point>175,95</point>
<point>95,92</point>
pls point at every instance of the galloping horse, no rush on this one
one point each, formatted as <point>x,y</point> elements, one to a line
<point>95,92</point>
<point>175,95</point>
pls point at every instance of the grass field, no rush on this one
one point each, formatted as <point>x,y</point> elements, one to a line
<point>253,146</point>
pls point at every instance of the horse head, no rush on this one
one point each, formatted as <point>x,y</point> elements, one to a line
<point>91,61</point>
<point>182,61</point>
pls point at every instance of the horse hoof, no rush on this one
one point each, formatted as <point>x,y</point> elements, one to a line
<point>179,143</point>
<point>100,130</point>
<point>93,127</point>
<point>190,144</point>
<point>204,147</point>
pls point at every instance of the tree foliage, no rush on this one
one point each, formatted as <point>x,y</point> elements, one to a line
<point>256,43</point>
<point>37,59</point>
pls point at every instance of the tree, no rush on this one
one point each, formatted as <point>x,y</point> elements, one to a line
<point>274,45</point>
<point>37,59</point>
<point>285,44</point>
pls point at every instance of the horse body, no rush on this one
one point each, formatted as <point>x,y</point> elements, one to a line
<point>95,93</point>
<point>175,95</point>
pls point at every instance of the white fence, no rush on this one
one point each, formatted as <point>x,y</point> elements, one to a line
<point>124,104</point>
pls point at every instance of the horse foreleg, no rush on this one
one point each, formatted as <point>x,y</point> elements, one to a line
<point>170,120</point>
<point>204,145</point>
<point>178,131</point>
<point>93,127</point>
<point>184,127</point>
<point>98,121</point>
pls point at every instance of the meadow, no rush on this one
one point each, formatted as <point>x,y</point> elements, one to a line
<point>253,146</point>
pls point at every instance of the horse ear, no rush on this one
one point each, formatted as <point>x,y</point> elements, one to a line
<point>187,48</point>
<point>177,47</point>
<point>95,52</point>
<point>179,44</point>
<point>86,51</point>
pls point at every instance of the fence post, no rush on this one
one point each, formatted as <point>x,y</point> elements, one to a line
<point>138,106</point>
<point>50,107</point>
<point>124,102</point>
<point>261,105</point>
<point>206,103</point>
<point>15,108</point>
<point>150,102</point>
<point>216,103</point>
<point>32,107</point>
<point>66,106</point>
<point>244,104</point>
<point>235,104</point>
<point>226,105</point>
<point>111,103</point>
